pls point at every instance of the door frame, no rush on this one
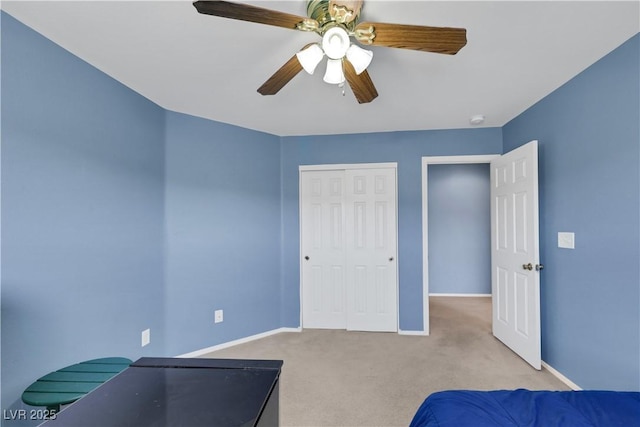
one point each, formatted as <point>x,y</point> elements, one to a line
<point>426,161</point>
<point>345,166</point>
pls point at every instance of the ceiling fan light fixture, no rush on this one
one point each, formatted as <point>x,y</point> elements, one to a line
<point>335,42</point>
<point>334,74</point>
<point>336,21</point>
<point>360,58</point>
<point>310,57</point>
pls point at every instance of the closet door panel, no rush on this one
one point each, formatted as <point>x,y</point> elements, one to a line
<point>370,206</point>
<point>323,250</point>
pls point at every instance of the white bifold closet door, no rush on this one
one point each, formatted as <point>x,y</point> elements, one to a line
<point>348,248</point>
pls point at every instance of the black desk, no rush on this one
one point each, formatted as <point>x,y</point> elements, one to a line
<point>165,392</point>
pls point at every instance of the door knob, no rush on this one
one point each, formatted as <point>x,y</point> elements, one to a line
<point>539,267</point>
<point>527,266</point>
<point>390,258</point>
<point>307,257</point>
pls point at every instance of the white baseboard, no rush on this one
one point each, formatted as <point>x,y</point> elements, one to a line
<point>561,377</point>
<point>228,344</point>
<point>459,295</point>
<point>415,333</point>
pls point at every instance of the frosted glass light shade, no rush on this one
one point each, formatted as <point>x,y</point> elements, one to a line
<point>334,74</point>
<point>335,42</point>
<point>310,57</point>
<point>359,58</point>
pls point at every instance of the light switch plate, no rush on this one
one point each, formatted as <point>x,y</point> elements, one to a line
<point>566,240</point>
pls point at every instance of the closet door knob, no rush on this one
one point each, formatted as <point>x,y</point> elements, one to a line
<point>390,258</point>
<point>307,257</point>
<point>527,266</point>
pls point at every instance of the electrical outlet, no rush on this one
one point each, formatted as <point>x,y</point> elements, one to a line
<point>218,316</point>
<point>146,337</point>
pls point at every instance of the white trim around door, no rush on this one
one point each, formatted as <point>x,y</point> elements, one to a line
<point>330,167</point>
<point>426,161</point>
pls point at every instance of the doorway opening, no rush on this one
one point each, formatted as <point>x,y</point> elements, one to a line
<point>448,239</point>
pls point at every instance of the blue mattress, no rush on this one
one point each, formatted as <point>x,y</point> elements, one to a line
<point>520,407</point>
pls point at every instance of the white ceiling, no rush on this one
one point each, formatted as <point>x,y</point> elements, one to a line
<point>517,53</point>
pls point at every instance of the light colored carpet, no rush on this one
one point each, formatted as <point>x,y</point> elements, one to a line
<point>339,378</point>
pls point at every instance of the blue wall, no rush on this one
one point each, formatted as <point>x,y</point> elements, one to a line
<point>82,198</point>
<point>405,148</point>
<point>589,138</point>
<point>223,238</point>
<point>459,229</point>
<point>118,216</point>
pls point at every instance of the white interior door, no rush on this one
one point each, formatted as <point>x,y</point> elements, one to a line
<point>323,249</point>
<point>371,248</point>
<point>515,257</point>
<point>349,249</point>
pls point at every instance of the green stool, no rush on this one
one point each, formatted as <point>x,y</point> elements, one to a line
<point>71,383</point>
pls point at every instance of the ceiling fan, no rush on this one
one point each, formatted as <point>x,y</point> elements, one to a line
<point>336,21</point>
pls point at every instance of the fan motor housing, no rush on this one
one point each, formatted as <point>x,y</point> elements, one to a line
<point>346,13</point>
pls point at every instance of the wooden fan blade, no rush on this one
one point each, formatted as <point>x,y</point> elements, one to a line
<point>245,12</point>
<point>281,77</point>
<point>428,39</point>
<point>361,84</point>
